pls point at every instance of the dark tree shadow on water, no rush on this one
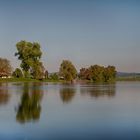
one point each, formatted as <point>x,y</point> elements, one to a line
<point>29,108</point>
<point>96,91</point>
<point>67,94</point>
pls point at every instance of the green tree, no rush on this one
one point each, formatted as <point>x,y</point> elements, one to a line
<point>30,55</point>
<point>37,70</point>
<point>17,73</point>
<point>67,70</point>
<point>5,67</point>
<point>109,74</point>
<point>96,73</point>
<point>54,76</point>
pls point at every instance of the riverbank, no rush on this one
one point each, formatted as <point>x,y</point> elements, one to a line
<point>61,81</point>
<point>27,80</point>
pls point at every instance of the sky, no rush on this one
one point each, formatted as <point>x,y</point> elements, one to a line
<point>86,32</point>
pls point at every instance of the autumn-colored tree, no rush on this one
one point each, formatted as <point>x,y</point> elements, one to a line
<point>84,74</point>
<point>5,67</point>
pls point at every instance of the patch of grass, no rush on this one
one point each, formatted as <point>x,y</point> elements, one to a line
<point>27,80</point>
<point>17,80</point>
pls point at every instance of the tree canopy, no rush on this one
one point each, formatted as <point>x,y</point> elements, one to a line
<point>30,55</point>
<point>98,73</point>
<point>67,70</point>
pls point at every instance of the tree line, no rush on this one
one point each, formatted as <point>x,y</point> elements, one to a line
<point>98,73</point>
<point>29,54</point>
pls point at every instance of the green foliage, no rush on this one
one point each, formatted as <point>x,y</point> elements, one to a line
<point>98,73</point>
<point>17,73</point>
<point>109,74</point>
<point>54,76</point>
<point>5,67</point>
<point>67,70</point>
<point>30,54</point>
<point>27,74</point>
<point>37,70</point>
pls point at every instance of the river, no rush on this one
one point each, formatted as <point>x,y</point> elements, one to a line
<point>47,111</point>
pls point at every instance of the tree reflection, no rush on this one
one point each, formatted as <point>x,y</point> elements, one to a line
<point>29,108</point>
<point>99,90</point>
<point>4,95</point>
<point>67,94</point>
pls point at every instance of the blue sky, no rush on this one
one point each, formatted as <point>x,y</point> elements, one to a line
<point>87,32</point>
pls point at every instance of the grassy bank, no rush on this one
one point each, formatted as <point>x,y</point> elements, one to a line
<point>17,80</point>
<point>26,80</point>
<point>62,81</point>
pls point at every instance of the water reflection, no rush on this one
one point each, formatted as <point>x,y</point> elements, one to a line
<point>29,108</point>
<point>4,95</point>
<point>67,94</point>
<point>99,90</point>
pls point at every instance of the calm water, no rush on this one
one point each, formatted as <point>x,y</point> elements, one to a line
<point>41,111</point>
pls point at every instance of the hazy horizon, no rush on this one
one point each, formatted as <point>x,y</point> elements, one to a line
<point>87,32</point>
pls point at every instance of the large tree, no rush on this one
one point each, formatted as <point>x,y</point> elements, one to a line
<point>5,67</point>
<point>30,55</point>
<point>96,73</point>
<point>67,70</point>
<point>85,74</point>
